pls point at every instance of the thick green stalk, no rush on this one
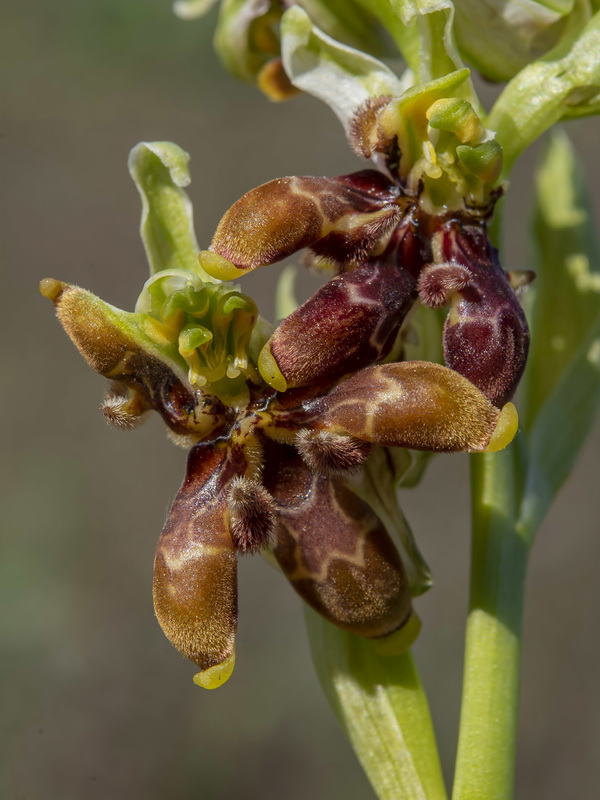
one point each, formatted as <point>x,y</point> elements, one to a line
<point>500,549</point>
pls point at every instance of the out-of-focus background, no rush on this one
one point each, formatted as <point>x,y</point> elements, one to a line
<point>96,705</point>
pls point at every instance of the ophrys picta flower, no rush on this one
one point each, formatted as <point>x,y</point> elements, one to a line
<point>414,229</point>
<point>270,469</point>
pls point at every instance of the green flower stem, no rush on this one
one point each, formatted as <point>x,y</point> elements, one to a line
<point>382,706</point>
<point>500,550</point>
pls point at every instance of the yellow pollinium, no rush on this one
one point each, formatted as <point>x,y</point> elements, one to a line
<point>401,640</point>
<point>269,369</point>
<point>216,676</point>
<point>506,429</point>
<point>218,267</point>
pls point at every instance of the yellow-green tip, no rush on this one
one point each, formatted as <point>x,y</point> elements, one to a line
<point>401,640</point>
<point>218,267</point>
<point>506,429</point>
<point>216,676</point>
<point>51,288</point>
<point>269,369</point>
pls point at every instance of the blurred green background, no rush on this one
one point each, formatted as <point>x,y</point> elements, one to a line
<point>96,705</point>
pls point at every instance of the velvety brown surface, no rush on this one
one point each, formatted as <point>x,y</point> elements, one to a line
<point>334,549</point>
<point>195,567</point>
<point>96,704</point>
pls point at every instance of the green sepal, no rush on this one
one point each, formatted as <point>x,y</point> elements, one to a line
<point>382,475</point>
<point>160,171</point>
<point>428,43</point>
<point>338,75</point>
<point>285,297</point>
<point>423,30</point>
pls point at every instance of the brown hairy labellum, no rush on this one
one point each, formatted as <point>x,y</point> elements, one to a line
<point>350,322</point>
<point>288,214</point>
<point>413,404</point>
<point>334,550</point>
<point>195,568</point>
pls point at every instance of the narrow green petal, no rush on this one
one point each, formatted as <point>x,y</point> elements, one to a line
<point>160,171</point>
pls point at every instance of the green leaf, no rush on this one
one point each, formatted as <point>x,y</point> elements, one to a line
<point>561,429</point>
<point>565,297</point>
<point>342,77</point>
<point>561,389</point>
<point>548,90</point>
<point>160,171</point>
<point>383,709</point>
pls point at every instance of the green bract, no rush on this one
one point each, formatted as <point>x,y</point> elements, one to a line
<point>501,37</point>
